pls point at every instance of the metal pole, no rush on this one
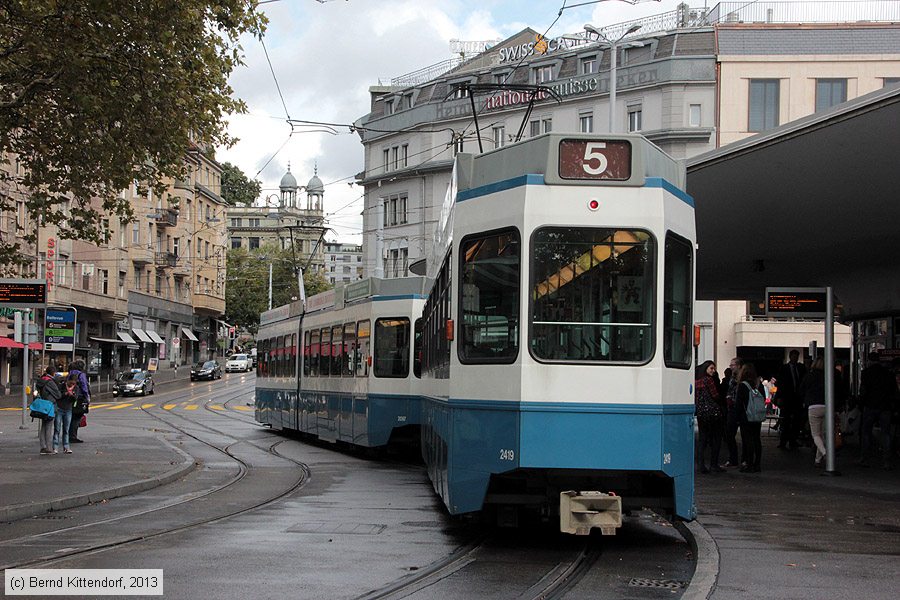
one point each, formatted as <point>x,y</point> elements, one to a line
<point>829,383</point>
<point>26,339</point>
<point>612,87</point>
<point>270,286</point>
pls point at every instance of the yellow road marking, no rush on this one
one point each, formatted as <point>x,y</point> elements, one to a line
<point>190,407</point>
<point>146,405</point>
<point>118,406</point>
<point>244,408</point>
<point>169,406</point>
<point>216,407</point>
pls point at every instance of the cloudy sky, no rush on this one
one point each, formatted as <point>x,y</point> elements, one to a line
<point>325,55</point>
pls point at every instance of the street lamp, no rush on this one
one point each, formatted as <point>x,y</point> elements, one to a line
<point>612,66</point>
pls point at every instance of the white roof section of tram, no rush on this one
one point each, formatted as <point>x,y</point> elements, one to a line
<point>814,202</point>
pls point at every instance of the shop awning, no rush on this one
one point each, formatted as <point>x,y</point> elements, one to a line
<point>154,337</point>
<point>142,336</point>
<point>189,334</point>
<point>5,342</point>
<point>125,337</point>
<point>106,340</point>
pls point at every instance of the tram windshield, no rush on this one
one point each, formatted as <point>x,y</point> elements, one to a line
<point>592,295</point>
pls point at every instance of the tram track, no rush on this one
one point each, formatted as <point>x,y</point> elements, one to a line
<point>244,468</point>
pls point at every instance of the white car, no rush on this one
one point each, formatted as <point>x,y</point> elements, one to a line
<point>238,362</point>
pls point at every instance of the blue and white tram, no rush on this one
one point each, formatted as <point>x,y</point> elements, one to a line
<point>557,338</point>
<point>345,370</point>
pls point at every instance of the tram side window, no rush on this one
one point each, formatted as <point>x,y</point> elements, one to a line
<point>362,341</point>
<point>306,354</point>
<point>349,350</point>
<point>677,297</point>
<point>417,349</point>
<point>325,357</point>
<point>489,298</point>
<point>279,356</point>
<point>292,370</point>
<point>592,295</point>
<point>261,359</point>
<point>314,353</point>
<point>337,348</point>
<point>391,355</point>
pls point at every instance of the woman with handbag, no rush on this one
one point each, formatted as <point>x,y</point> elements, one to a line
<point>70,393</point>
<point>82,406</point>
<point>710,416</point>
<point>48,390</point>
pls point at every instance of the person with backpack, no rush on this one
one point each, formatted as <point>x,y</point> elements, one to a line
<point>732,423</point>
<point>83,401</point>
<point>750,391</point>
<point>48,390</point>
<point>67,400</point>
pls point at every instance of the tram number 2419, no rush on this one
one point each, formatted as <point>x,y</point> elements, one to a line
<point>507,454</point>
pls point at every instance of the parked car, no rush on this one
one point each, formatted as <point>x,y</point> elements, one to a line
<point>209,369</point>
<point>133,383</point>
<point>238,362</point>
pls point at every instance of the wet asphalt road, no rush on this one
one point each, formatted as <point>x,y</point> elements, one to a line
<point>353,525</point>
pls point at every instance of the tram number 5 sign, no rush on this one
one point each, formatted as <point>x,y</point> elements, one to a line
<point>586,159</point>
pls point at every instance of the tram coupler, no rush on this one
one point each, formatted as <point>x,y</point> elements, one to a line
<point>579,512</point>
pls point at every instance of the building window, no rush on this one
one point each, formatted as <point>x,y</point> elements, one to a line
<point>694,115</point>
<point>499,134</point>
<point>634,118</point>
<point>176,247</point>
<point>407,100</point>
<point>135,233</point>
<point>404,155</point>
<point>122,276</point>
<point>586,123</point>
<point>888,81</point>
<point>395,157</point>
<point>206,250</point>
<point>457,141</point>
<point>254,243</point>
<point>387,159</point>
<point>542,74</point>
<point>388,107</point>
<point>459,90</point>
<point>534,128</point>
<point>254,222</point>
<point>236,222</point>
<point>589,65</point>
<point>123,232</point>
<point>764,103</point>
<point>546,125</point>
<point>61,270</point>
<point>235,243</point>
<point>401,209</point>
<point>104,281</point>
<point>830,92</point>
<point>138,275</point>
<point>158,285</point>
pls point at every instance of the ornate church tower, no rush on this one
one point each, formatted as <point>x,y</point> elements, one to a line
<point>289,189</point>
<point>314,192</point>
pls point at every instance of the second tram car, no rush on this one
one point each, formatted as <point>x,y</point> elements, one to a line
<point>549,366</point>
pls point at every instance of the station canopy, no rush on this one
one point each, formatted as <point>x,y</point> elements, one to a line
<point>813,203</point>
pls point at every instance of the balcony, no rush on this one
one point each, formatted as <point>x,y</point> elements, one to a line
<point>207,302</point>
<point>166,259</point>
<point>141,255</point>
<point>166,217</point>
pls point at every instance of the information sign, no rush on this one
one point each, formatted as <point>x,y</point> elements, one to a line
<point>23,293</point>
<point>59,329</point>
<point>807,303</point>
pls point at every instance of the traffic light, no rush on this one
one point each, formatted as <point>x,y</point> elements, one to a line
<point>17,326</point>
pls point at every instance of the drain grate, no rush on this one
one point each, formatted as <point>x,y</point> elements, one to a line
<point>422,523</point>
<point>50,517</point>
<point>666,584</point>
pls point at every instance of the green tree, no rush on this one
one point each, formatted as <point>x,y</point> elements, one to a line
<point>237,188</point>
<point>97,94</point>
<point>247,290</point>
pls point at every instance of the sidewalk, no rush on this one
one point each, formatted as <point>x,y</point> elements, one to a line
<point>791,532</point>
<point>112,462</point>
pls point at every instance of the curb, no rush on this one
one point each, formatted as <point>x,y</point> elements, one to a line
<point>24,511</point>
<point>704,547</point>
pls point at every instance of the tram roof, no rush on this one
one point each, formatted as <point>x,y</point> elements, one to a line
<point>815,202</point>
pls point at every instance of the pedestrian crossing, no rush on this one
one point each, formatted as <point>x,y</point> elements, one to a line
<point>168,406</point>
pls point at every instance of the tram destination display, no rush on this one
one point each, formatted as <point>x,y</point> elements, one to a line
<point>589,159</point>
<point>807,303</point>
<point>23,293</point>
